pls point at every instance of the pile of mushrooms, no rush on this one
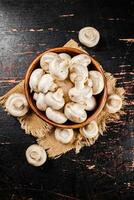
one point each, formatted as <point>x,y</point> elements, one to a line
<point>50,96</point>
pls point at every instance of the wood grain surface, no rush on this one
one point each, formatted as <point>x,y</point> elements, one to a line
<point>103,171</point>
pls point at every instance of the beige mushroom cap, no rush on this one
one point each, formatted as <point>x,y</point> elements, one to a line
<point>98,81</point>
<point>75,112</point>
<point>40,102</point>
<point>114,103</point>
<point>82,59</point>
<point>55,116</point>
<point>89,104</point>
<point>65,56</point>
<point>46,59</point>
<point>45,83</point>
<point>17,105</point>
<point>89,36</point>
<point>64,135</point>
<point>90,131</point>
<point>36,155</point>
<point>35,78</point>
<point>58,68</point>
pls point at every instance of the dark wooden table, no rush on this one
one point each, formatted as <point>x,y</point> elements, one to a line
<point>103,171</point>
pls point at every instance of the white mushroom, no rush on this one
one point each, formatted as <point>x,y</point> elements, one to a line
<point>46,59</point>
<point>76,70</point>
<point>45,83</point>
<point>75,112</point>
<point>36,155</point>
<point>82,59</point>
<point>40,102</point>
<point>55,100</point>
<point>64,135</point>
<point>17,105</point>
<point>80,91</point>
<point>65,56</point>
<point>89,36</point>
<point>34,79</point>
<point>89,104</point>
<point>55,116</point>
<point>90,131</point>
<point>59,69</point>
<point>114,103</point>
<point>98,81</point>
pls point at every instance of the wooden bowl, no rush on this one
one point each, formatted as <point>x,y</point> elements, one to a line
<point>101,98</point>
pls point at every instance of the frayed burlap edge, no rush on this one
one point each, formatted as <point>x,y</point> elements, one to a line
<point>44,132</point>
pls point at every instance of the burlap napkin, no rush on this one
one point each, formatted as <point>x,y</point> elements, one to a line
<point>43,131</point>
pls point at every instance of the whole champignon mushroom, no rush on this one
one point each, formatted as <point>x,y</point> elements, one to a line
<point>45,83</point>
<point>80,92</point>
<point>75,112</point>
<point>16,105</point>
<point>46,59</point>
<point>40,102</point>
<point>98,81</point>
<point>114,103</point>
<point>82,59</point>
<point>55,100</point>
<point>55,116</point>
<point>89,36</point>
<point>64,135</point>
<point>65,56</point>
<point>35,78</point>
<point>89,104</point>
<point>36,155</point>
<point>58,68</point>
<point>90,131</point>
<point>78,70</point>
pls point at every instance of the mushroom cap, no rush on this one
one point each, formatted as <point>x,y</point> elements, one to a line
<point>55,116</point>
<point>78,70</point>
<point>40,102</point>
<point>89,36</point>
<point>98,81</point>
<point>36,155</point>
<point>75,112</point>
<point>59,68</point>
<point>90,131</point>
<point>114,103</point>
<point>89,104</point>
<point>55,100</point>
<point>45,83</point>
<point>35,78</point>
<point>46,59</point>
<point>64,135</point>
<point>82,59</point>
<point>17,105</point>
<point>65,56</point>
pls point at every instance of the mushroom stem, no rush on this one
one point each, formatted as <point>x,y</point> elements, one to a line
<point>79,83</point>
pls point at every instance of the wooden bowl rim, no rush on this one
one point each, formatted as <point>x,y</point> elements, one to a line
<point>42,115</point>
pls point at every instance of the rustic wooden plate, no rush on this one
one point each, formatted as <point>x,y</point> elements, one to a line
<point>101,98</point>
